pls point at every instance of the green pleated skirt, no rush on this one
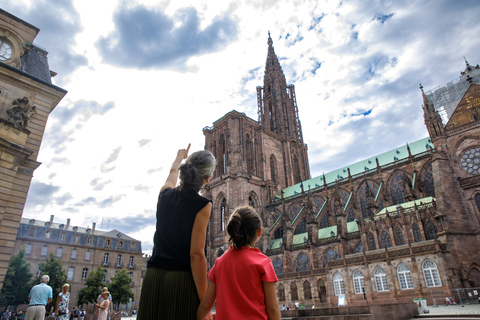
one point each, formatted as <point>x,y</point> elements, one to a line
<point>168,295</point>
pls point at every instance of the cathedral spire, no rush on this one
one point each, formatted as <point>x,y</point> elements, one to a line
<point>433,121</point>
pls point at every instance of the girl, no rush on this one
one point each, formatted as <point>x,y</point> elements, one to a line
<point>242,280</point>
<point>103,307</point>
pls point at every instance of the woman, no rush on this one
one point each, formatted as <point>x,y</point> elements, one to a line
<point>176,277</point>
<point>103,306</point>
<point>62,303</point>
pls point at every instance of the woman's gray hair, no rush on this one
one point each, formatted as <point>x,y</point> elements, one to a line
<point>45,279</point>
<point>198,166</point>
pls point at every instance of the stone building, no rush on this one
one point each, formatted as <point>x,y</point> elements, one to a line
<point>81,250</point>
<point>27,96</point>
<point>386,229</point>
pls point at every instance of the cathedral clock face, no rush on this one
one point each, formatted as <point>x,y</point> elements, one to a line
<point>6,50</point>
<point>470,161</point>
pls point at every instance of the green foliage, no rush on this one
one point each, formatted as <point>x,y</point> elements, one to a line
<point>93,287</point>
<point>120,287</point>
<point>58,276</point>
<point>16,285</point>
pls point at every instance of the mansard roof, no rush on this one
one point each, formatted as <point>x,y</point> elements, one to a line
<point>359,168</point>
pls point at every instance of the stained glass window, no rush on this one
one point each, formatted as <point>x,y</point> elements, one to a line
<point>381,282</point>
<point>358,248</point>
<point>397,190</point>
<point>371,240</point>
<point>430,272</point>
<point>366,193</point>
<point>281,292</point>
<point>324,221</point>
<point>278,233</point>
<point>477,200</point>
<point>278,266</point>
<point>303,263</point>
<point>416,233</point>
<point>300,228</point>
<point>294,211</point>
<point>331,255</point>
<point>399,235</point>
<point>431,231</point>
<point>428,182</point>
<point>317,204</point>
<point>358,281</point>
<point>404,276</point>
<point>470,161</point>
<point>350,216</point>
<point>385,240</point>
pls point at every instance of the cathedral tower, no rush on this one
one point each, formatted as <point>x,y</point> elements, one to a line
<point>255,159</point>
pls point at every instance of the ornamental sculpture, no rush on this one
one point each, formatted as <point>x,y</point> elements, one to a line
<point>21,112</point>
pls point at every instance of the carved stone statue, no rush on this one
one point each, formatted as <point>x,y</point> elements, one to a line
<point>21,112</point>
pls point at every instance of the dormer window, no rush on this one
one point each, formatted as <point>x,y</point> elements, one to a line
<point>107,243</point>
<point>32,221</point>
<point>61,226</point>
<point>75,228</point>
<point>6,50</point>
<point>47,234</point>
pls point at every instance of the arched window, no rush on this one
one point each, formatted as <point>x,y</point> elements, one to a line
<point>399,234</point>
<point>251,203</point>
<point>322,290</point>
<point>397,190</point>
<point>222,159</point>
<point>338,285</point>
<point>380,279</point>
<point>220,253</point>
<point>371,240</point>
<point>404,276</point>
<point>385,240</point>
<point>477,201</point>
<point>293,289</point>
<point>358,281</point>
<point>296,170</point>
<point>428,181</point>
<point>278,233</point>
<point>303,263</point>
<point>307,290</point>
<point>430,272</point>
<point>223,212</point>
<point>273,168</point>
<point>416,233</point>
<point>431,231</point>
<point>324,221</point>
<point>331,255</point>
<point>250,156</point>
<point>300,228</point>
<point>281,292</point>
<point>350,216</point>
<point>358,248</point>
<point>278,266</point>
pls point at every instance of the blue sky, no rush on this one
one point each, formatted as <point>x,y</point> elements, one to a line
<point>144,78</point>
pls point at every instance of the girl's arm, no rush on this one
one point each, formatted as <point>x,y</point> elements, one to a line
<point>271,303</point>
<point>207,303</point>
<point>173,175</point>
<point>102,305</point>
<point>198,262</point>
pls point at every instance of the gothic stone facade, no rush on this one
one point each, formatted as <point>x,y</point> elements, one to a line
<point>81,250</point>
<point>27,96</point>
<point>386,229</point>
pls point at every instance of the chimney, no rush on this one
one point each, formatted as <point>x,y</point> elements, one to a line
<point>93,226</point>
<point>51,219</point>
<point>68,224</point>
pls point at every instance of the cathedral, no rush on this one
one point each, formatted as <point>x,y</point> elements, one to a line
<point>400,225</point>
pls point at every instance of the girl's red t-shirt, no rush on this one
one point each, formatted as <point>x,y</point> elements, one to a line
<point>239,277</point>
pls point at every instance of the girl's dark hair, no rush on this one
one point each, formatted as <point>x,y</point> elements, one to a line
<point>243,226</point>
<point>198,166</point>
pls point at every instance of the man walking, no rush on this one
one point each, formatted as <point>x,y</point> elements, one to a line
<point>40,295</point>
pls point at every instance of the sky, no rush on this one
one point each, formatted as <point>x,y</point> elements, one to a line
<point>144,77</point>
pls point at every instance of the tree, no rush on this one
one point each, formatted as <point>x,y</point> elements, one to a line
<point>120,287</point>
<point>16,285</point>
<point>93,287</point>
<point>53,268</point>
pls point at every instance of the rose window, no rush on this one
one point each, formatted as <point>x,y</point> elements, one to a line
<point>470,161</point>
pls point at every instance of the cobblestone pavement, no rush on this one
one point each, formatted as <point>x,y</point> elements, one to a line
<point>455,309</point>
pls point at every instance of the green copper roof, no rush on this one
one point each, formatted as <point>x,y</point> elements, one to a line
<point>327,232</point>
<point>428,202</point>
<point>300,238</point>
<point>275,244</point>
<point>360,167</point>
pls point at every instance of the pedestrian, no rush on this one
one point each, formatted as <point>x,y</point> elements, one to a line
<point>176,277</point>
<point>62,303</point>
<point>103,306</point>
<point>100,299</point>
<point>39,296</point>
<point>82,314</point>
<point>242,279</point>
<point>76,313</point>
